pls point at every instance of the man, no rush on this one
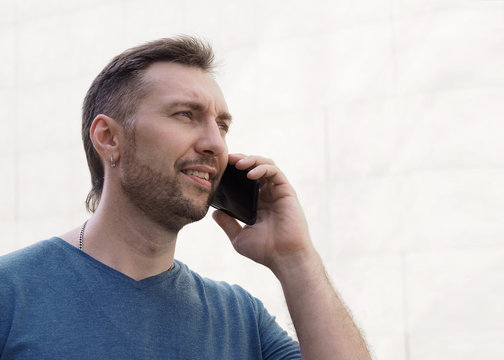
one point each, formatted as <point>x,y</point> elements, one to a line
<point>154,128</point>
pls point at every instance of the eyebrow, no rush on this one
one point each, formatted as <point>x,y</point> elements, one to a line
<point>195,106</point>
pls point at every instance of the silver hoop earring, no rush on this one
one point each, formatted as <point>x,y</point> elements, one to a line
<point>112,162</point>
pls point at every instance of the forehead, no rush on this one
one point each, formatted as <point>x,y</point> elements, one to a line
<point>177,81</point>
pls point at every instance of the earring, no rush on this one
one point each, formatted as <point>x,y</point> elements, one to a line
<point>112,162</point>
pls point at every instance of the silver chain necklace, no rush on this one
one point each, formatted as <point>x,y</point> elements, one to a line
<point>81,235</point>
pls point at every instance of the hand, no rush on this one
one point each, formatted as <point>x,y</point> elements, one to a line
<point>279,239</point>
<point>280,235</point>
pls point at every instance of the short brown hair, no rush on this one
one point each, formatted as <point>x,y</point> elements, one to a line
<point>118,89</point>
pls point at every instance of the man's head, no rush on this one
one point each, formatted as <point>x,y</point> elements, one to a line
<point>169,169</point>
<point>118,90</point>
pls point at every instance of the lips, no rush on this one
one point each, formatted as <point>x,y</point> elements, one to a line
<point>201,174</point>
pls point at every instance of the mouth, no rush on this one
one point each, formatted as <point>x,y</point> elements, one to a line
<point>201,175</point>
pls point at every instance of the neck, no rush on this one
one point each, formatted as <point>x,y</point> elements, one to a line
<point>130,244</point>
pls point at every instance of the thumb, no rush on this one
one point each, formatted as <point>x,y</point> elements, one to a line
<point>230,226</point>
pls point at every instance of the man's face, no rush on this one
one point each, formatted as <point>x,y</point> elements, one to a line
<point>177,152</point>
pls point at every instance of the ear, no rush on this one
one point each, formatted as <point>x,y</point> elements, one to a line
<point>106,134</point>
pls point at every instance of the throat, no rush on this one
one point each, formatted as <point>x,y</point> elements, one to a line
<point>137,249</point>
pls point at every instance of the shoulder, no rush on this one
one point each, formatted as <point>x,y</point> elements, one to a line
<point>27,254</point>
<point>30,252</point>
<point>211,285</point>
<point>29,261</point>
<point>242,313</point>
<point>22,272</point>
<point>221,292</point>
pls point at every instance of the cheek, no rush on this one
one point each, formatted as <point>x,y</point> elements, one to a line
<point>162,146</point>
<point>223,161</point>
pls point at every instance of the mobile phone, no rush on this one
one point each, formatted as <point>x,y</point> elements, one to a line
<point>237,195</point>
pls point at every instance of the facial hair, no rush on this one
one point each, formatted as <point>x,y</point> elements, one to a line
<point>160,197</point>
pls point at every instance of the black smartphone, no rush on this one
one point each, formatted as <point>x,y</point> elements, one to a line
<point>237,195</point>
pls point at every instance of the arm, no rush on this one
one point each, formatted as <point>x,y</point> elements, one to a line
<point>280,241</point>
<point>324,327</point>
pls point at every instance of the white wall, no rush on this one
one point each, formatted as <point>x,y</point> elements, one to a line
<point>386,115</point>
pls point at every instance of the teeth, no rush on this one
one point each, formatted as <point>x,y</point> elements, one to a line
<point>200,174</point>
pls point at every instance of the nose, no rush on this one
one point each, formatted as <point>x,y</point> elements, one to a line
<point>211,142</point>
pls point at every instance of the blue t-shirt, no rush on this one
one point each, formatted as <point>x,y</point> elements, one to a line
<point>57,302</point>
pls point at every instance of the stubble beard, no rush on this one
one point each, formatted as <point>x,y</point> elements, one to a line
<point>158,196</point>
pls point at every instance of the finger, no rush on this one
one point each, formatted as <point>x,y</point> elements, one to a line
<point>230,226</point>
<point>233,158</point>
<point>252,161</point>
<point>270,172</point>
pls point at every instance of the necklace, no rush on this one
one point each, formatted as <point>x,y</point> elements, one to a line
<point>81,242</point>
<point>81,235</point>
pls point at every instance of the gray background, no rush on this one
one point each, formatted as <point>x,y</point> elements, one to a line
<point>387,116</point>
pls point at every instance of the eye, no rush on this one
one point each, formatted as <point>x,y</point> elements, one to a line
<point>223,126</point>
<point>186,114</point>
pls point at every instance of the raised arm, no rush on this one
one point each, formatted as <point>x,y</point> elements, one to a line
<point>280,241</point>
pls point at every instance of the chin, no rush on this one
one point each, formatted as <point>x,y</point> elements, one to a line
<point>181,216</point>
